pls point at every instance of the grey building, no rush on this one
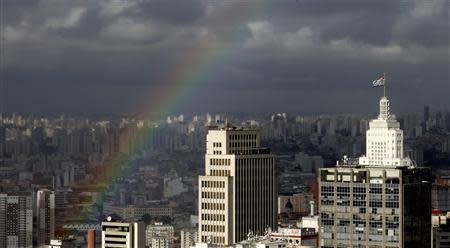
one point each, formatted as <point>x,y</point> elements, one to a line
<point>380,200</point>
<point>16,220</point>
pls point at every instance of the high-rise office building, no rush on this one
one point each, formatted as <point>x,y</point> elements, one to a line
<point>45,216</point>
<point>381,199</point>
<point>16,220</point>
<point>123,234</point>
<point>238,192</point>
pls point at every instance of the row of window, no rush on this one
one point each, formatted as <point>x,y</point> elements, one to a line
<point>213,195</point>
<point>220,173</point>
<point>242,137</point>
<point>213,239</point>
<point>213,184</point>
<point>213,217</point>
<point>217,144</point>
<point>217,161</point>
<point>374,204</point>
<point>213,228</point>
<point>213,206</point>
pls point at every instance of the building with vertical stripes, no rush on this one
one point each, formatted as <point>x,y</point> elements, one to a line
<point>237,194</point>
<point>45,216</point>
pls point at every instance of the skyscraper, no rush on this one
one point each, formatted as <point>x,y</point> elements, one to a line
<point>238,193</point>
<point>379,200</point>
<point>45,216</point>
<point>16,220</point>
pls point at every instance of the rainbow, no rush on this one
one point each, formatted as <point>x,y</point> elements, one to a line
<point>196,66</point>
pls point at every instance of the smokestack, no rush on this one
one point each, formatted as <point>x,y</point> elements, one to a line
<point>312,208</point>
<point>91,238</point>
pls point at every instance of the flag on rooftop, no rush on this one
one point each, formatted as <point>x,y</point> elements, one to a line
<point>378,82</point>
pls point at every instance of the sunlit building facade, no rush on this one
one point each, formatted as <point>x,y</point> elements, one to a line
<point>238,192</point>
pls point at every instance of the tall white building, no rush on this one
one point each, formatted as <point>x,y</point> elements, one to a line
<point>384,140</point>
<point>238,192</point>
<point>121,234</point>
<point>45,216</point>
<point>16,220</point>
<point>378,200</point>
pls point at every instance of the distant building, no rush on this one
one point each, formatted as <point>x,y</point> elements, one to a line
<point>159,236</point>
<point>57,243</point>
<point>379,200</point>
<point>188,238</point>
<point>441,229</point>
<point>440,195</point>
<point>294,203</point>
<point>123,234</point>
<point>296,236</point>
<point>308,164</point>
<point>16,220</point>
<point>45,216</point>
<point>262,242</point>
<point>132,212</point>
<point>238,192</point>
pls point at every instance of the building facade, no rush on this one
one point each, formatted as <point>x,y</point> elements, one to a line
<point>238,192</point>
<point>380,200</point>
<point>16,220</point>
<point>159,236</point>
<point>123,234</point>
<point>45,216</point>
<point>188,238</point>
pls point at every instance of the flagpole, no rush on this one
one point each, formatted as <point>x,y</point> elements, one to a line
<point>384,84</point>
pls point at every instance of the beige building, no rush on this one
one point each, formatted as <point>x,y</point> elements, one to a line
<point>238,192</point>
<point>188,238</point>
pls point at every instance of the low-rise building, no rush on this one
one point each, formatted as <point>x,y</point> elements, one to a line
<point>123,234</point>
<point>159,235</point>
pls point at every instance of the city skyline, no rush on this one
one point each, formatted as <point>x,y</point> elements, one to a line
<point>147,56</point>
<point>245,124</point>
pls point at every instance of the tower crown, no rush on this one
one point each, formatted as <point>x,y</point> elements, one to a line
<point>384,140</point>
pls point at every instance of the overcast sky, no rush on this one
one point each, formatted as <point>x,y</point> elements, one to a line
<point>235,56</point>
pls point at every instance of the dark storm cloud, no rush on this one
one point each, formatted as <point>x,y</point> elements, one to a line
<point>113,55</point>
<point>178,12</point>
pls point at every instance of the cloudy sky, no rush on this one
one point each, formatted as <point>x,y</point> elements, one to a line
<point>115,56</point>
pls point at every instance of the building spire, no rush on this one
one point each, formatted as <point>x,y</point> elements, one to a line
<point>384,108</point>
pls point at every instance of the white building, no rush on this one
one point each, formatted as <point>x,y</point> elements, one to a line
<point>238,192</point>
<point>123,234</point>
<point>295,237</point>
<point>379,200</point>
<point>159,235</point>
